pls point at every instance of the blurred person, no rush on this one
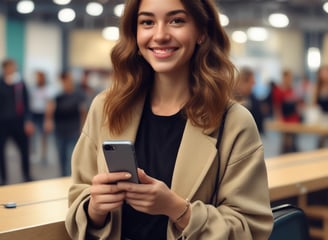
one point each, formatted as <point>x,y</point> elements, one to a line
<point>91,85</point>
<point>267,102</point>
<point>39,97</point>
<point>304,90</point>
<point>286,104</point>
<point>15,118</point>
<point>320,96</point>
<point>65,115</point>
<point>244,94</point>
<point>171,96</point>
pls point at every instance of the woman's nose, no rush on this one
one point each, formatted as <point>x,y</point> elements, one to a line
<point>161,33</point>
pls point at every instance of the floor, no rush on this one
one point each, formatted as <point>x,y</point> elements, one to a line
<point>42,169</point>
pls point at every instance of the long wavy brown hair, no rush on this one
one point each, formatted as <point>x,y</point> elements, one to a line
<point>211,77</point>
<point>319,82</point>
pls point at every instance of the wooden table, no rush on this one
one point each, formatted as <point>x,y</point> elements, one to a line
<point>41,210</point>
<point>295,175</point>
<point>298,128</point>
<point>289,175</point>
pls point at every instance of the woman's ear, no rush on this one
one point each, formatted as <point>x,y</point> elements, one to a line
<point>201,39</point>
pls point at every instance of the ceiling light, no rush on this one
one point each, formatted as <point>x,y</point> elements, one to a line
<point>239,36</point>
<point>224,20</point>
<point>62,2</point>
<point>325,7</point>
<point>111,33</point>
<point>66,15</point>
<point>119,9</point>
<point>94,9</point>
<point>313,58</point>
<point>278,20</point>
<point>25,6</point>
<point>257,34</point>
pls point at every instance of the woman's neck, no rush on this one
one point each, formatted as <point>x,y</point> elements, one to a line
<point>169,95</point>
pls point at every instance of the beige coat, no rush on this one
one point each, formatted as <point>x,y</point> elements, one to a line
<point>244,207</point>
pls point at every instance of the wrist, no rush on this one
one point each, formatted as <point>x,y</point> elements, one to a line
<point>181,214</point>
<point>94,218</point>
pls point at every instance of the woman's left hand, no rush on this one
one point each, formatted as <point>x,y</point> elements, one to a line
<point>152,196</point>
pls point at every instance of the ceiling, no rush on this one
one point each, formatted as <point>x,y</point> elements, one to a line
<point>306,15</point>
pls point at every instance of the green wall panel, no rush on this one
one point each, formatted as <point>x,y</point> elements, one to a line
<point>15,41</point>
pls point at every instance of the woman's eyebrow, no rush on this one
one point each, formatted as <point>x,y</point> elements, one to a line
<point>171,13</point>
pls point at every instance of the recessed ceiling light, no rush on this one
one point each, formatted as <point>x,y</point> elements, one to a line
<point>94,9</point>
<point>119,9</point>
<point>239,36</point>
<point>25,6</point>
<point>224,20</point>
<point>313,58</point>
<point>278,20</point>
<point>66,15</point>
<point>257,34</point>
<point>111,33</point>
<point>62,2</point>
<point>325,7</point>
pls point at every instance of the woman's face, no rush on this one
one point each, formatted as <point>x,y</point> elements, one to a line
<point>166,35</point>
<point>323,74</point>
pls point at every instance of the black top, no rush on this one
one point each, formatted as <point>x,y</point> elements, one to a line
<point>323,103</point>
<point>68,113</point>
<point>254,106</point>
<point>14,102</point>
<point>157,143</point>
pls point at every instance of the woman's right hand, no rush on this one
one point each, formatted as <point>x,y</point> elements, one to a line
<point>105,196</point>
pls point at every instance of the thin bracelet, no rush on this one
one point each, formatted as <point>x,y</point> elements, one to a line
<point>184,211</point>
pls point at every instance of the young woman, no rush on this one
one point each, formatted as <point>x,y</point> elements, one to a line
<point>172,83</point>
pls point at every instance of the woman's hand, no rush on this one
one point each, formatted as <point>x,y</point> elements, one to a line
<point>152,196</point>
<point>105,196</point>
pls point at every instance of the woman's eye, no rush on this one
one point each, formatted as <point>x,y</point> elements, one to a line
<point>146,22</point>
<point>178,21</point>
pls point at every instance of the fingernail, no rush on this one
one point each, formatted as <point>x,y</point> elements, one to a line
<point>128,175</point>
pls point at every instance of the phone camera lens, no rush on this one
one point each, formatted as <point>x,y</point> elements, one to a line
<point>109,147</point>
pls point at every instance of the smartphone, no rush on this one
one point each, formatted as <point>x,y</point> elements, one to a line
<point>120,157</point>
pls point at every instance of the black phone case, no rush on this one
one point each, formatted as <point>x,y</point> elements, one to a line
<point>120,157</point>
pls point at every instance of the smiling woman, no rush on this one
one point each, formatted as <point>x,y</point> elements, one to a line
<point>166,39</point>
<point>171,94</point>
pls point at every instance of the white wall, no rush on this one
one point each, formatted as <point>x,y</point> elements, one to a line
<point>289,47</point>
<point>43,48</point>
<point>88,49</point>
<point>282,49</point>
<point>2,37</point>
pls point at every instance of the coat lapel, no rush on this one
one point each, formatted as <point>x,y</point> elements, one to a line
<point>195,156</point>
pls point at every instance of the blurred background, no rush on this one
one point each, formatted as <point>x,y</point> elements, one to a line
<point>269,38</point>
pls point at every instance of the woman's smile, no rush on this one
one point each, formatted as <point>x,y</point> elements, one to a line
<point>166,52</point>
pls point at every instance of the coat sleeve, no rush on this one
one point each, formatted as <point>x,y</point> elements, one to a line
<point>85,165</point>
<point>244,210</point>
